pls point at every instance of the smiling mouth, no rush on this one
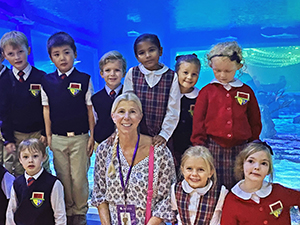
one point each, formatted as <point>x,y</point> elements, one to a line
<point>126,125</point>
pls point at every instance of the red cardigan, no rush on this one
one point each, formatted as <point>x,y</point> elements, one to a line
<point>218,114</point>
<point>247,212</point>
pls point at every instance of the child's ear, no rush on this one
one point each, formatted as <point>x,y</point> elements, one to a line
<point>44,157</point>
<point>160,51</point>
<point>101,74</point>
<point>29,50</point>
<point>240,66</point>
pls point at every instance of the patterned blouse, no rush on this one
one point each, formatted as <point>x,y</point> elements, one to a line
<point>109,189</point>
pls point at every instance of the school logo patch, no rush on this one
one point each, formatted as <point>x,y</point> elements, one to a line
<point>35,89</point>
<point>74,88</point>
<point>37,199</point>
<point>276,208</point>
<point>242,97</point>
<point>191,110</point>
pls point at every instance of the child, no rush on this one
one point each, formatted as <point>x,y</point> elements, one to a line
<point>36,196</point>
<point>68,114</point>
<point>112,68</point>
<point>25,118</point>
<point>188,68</point>
<point>226,114</point>
<point>157,87</point>
<point>253,200</point>
<point>6,180</point>
<point>196,197</point>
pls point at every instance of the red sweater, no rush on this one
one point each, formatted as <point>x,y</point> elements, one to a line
<point>218,114</point>
<point>247,212</point>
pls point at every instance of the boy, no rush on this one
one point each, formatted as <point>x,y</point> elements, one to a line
<point>112,68</point>
<point>6,180</point>
<point>68,114</point>
<point>36,196</point>
<point>24,119</point>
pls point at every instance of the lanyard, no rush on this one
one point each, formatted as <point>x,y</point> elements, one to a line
<point>130,168</point>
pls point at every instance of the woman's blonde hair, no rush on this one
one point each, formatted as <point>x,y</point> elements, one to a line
<point>249,150</point>
<point>200,152</point>
<point>128,96</point>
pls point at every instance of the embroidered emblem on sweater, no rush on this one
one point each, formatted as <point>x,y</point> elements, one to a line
<point>191,111</point>
<point>242,97</point>
<point>74,88</point>
<point>276,208</point>
<point>37,199</point>
<point>35,89</point>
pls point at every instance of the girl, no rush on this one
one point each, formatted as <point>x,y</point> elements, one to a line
<point>157,87</point>
<point>226,113</point>
<point>195,198</point>
<point>253,200</point>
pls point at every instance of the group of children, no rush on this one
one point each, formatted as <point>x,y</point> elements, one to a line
<point>219,120</point>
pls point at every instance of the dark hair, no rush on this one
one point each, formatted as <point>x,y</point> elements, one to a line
<point>59,39</point>
<point>146,37</point>
<point>191,58</point>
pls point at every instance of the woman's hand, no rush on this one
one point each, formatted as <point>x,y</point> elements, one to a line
<point>154,221</point>
<point>10,148</point>
<point>158,140</point>
<point>104,215</point>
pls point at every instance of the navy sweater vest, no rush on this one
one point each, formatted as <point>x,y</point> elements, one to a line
<point>105,126</point>
<point>34,211</point>
<point>68,110</point>
<point>3,199</point>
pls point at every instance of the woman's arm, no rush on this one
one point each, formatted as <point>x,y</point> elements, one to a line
<point>104,215</point>
<point>154,221</point>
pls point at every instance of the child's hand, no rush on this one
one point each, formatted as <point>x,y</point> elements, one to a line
<point>90,146</point>
<point>10,148</point>
<point>158,140</point>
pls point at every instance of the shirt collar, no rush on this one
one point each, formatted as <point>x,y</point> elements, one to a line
<point>155,72</point>
<point>36,176</point>
<point>201,191</point>
<point>27,71</point>
<point>265,191</point>
<point>235,83</point>
<point>193,94</point>
<point>117,90</point>
<point>67,73</point>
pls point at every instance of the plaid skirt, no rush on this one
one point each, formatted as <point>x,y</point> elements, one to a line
<point>224,159</point>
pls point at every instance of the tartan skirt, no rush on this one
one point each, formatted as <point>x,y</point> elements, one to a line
<point>224,159</point>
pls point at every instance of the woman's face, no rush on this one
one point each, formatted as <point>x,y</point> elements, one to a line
<point>127,116</point>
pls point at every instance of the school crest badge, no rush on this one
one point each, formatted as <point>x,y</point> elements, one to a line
<point>74,88</point>
<point>191,110</point>
<point>37,199</point>
<point>35,89</point>
<point>242,97</point>
<point>276,208</point>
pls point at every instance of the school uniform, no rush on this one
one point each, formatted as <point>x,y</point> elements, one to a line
<point>102,103</point>
<point>269,205</point>
<point>199,205</point>
<point>160,96</point>
<point>24,117</point>
<point>183,131</point>
<point>68,99</point>
<point>6,183</point>
<point>40,203</point>
<point>225,119</point>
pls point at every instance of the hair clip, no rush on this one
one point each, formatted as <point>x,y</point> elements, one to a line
<point>233,57</point>
<point>194,54</point>
<point>258,141</point>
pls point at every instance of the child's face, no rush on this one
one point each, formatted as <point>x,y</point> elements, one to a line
<point>112,73</point>
<point>256,167</point>
<point>17,56</point>
<point>196,172</point>
<point>148,54</point>
<point>188,74</point>
<point>31,161</point>
<point>63,57</point>
<point>224,69</point>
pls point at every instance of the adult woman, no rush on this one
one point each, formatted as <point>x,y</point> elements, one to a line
<point>121,171</point>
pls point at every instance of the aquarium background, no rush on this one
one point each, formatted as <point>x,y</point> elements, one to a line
<point>268,31</point>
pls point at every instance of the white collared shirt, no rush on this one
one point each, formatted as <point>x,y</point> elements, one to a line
<point>117,90</point>
<point>235,83</point>
<point>27,71</point>
<point>6,184</point>
<point>173,109</point>
<point>57,202</point>
<point>88,94</point>
<point>195,195</point>
<point>191,95</point>
<point>265,191</point>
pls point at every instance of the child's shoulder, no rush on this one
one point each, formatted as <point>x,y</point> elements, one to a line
<point>38,71</point>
